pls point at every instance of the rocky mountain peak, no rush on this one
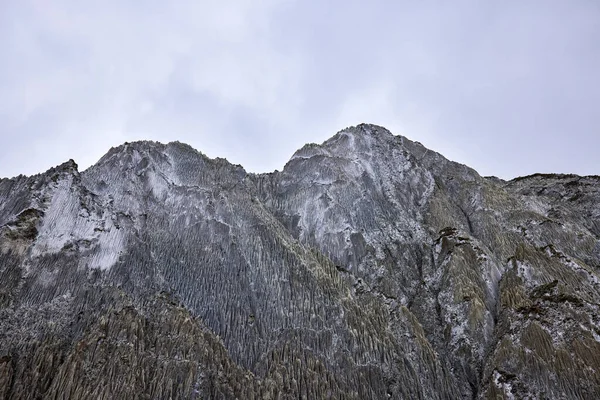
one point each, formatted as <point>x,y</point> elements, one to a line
<point>349,142</point>
<point>370,267</point>
<point>70,166</point>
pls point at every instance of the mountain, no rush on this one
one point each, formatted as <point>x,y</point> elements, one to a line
<point>369,267</point>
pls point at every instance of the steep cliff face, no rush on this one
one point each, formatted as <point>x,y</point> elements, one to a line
<point>370,267</point>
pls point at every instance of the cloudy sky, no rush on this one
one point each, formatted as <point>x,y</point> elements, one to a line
<point>507,87</point>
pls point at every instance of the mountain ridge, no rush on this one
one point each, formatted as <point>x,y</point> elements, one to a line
<point>307,145</point>
<point>369,267</point>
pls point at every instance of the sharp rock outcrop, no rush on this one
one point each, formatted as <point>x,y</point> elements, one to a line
<point>370,267</point>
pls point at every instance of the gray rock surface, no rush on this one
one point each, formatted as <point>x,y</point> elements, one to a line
<point>370,267</point>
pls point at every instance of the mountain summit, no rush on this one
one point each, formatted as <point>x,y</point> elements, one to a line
<point>369,267</point>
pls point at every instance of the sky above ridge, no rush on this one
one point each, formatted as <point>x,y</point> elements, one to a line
<point>509,87</point>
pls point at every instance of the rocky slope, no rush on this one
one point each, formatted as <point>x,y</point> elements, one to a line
<point>370,267</point>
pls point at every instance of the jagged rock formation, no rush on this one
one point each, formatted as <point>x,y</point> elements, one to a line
<point>370,267</point>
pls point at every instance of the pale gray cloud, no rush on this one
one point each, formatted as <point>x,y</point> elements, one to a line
<point>509,88</point>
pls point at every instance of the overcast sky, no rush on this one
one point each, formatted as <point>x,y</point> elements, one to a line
<point>507,87</point>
